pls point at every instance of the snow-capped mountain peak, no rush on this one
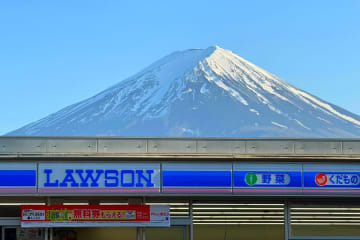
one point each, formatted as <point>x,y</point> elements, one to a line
<point>201,92</point>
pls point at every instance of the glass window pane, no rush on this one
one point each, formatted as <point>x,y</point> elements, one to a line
<point>173,233</point>
<point>108,233</point>
<point>30,233</point>
<point>325,219</point>
<point>235,232</point>
<point>238,220</point>
<point>325,230</point>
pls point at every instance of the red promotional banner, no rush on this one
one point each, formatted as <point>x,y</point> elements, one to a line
<point>94,215</point>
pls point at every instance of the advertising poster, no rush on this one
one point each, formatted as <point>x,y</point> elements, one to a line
<point>94,215</point>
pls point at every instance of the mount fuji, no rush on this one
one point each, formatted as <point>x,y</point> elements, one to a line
<point>202,93</point>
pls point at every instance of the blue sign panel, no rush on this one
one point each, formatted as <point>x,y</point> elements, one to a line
<point>329,179</point>
<point>267,179</point>
<point>197,178</point>
<point>17,178</point>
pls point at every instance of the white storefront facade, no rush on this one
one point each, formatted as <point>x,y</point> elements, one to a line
<point>179,188</point>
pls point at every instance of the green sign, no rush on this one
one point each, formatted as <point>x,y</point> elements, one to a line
<point>251,178</point>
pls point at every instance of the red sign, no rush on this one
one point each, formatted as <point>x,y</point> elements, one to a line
<point>94,215</point>
<point>321,179</point>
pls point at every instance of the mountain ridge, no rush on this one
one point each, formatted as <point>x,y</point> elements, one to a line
<point>208,92</point>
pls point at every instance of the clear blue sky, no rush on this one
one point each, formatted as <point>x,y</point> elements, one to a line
<point>55,53</point>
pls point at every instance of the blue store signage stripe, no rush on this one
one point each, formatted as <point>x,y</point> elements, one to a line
<point>17,178</point>
<point>196,178</point>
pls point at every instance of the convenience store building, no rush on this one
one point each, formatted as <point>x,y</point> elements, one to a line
<point>179,188</point>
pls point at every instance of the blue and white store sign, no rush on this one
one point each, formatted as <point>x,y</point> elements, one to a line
<point>331,178</point>
<point>17,177</point>
<point>267,178</point>
<point>104,177</point>
<point>182,178</point>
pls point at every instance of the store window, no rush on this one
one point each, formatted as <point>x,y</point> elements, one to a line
<point>233,221</point>
<point>241,231</point>
<point>29,234</point>
<point>325,219</point>
<point>173,233</point>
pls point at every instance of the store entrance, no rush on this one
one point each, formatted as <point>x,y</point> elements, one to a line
<point>8,233</point>
<point>108,233</point>
<point>115,233</point>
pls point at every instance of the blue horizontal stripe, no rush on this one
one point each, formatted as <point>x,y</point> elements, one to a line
<point>197,178</point>
<point>17,178</point>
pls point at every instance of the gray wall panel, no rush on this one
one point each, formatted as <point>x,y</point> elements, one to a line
<point>171,146</point>
<point>23,145</point>
<point>218,146</point>
<point>122,145</point>
<point>351,147</point>
<point>269,147</point>
<point>72,145</point>
<point>225,146</point>
<point>318,147</point>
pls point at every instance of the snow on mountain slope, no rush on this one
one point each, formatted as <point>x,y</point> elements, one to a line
<point>200,92</point>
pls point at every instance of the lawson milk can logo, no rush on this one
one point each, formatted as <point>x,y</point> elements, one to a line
<point>93,178</point>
